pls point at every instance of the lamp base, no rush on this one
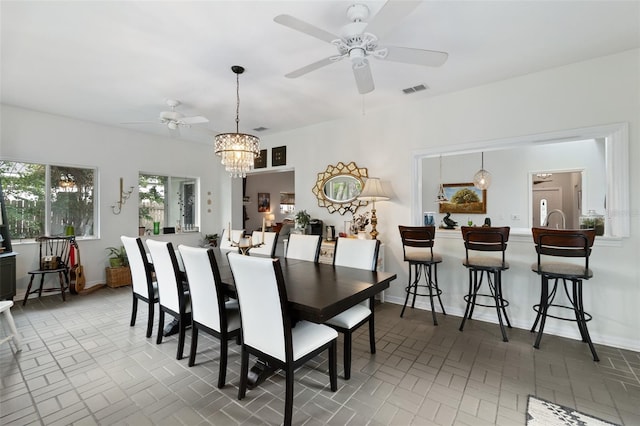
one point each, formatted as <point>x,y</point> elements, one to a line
<point>374,221</point>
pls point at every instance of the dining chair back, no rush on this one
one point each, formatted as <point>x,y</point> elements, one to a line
<point>267,331</point>
<point>209,311</point>
<point>53,258</point>
<point>268,248</point>
<point>304,247</point>
<point>574,247</point>
<point>485,249</point>
<point>417,246</point>
<point>172,296</point>
<point>143,285</point>
<point>361,254</point>
<point>226,241</point>
<point>356,253</point>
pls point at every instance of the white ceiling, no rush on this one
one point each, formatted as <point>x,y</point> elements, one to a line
<point>113,62</point>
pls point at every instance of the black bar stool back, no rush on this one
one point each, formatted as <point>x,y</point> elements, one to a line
<point>417,245</point>
<point>565,243</point>
<point>486,239</point>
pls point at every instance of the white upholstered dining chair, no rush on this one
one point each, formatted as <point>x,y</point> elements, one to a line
<point>361,254</point>
<point>266,325</point>
<point>303,247</point>
<point>209,311</point>
<point>144,287</point>
<point>172,297</point>
<point>269,246</point>
<point>225,241</point>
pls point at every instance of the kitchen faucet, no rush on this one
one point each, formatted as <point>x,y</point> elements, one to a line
<point>564,219</point>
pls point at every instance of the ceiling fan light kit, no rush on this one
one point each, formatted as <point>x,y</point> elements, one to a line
<point>237,150</point>
<point>359,40</point>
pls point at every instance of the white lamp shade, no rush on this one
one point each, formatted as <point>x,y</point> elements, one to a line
<point>373,191</point>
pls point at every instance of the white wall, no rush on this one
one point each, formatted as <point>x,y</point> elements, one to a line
<point>383,141</point>
<point>552,100</point>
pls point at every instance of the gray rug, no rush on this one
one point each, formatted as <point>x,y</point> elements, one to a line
<point>541,412</point>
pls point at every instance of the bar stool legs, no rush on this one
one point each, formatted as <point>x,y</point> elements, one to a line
<point>476,277</point>
<point>576,300</point>
<point>431,284</point>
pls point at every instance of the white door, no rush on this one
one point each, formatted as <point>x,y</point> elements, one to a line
<point>554,202</point>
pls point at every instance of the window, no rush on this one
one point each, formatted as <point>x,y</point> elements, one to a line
<point>45,199</point>
<point>172,201</point>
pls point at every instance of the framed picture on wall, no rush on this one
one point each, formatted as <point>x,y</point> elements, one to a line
<point>260,162</point>
<point>279,156</point>
<point>264,202</point>
<point>464,198</point>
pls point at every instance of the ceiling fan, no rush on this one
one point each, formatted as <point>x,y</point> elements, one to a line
<point>359,41</point>
<point>174,119</point>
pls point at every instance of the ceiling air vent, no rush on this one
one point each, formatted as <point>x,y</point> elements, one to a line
<point>260,129</point>
<point>414,89</point>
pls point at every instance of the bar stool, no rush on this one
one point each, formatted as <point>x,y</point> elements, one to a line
<point>5,308</point>
<point>417,245</point>
<point>486,239</point>
<point>574,243</point>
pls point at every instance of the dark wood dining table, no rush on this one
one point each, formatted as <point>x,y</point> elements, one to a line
<point>316,292</point>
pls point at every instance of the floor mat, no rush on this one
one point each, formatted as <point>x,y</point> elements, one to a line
<point>541,412</point>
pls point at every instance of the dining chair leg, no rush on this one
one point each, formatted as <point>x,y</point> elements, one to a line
<point>41,285</point>
<point>288,396</point>
<point>333,366</point>
<point>160,326</point>
<point>224,349</point>
<point>182,326</point>
<point>26,295</point>
<point>244,372</point>
<point>194,345</point>
<point>62,277</point>
<point>150,319</point>
<point>372,328</point>
<point>347,354</point>
<point>134,310</point>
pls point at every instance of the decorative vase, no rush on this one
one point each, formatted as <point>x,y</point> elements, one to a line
<point>362,235</point>
<point>156,228</point>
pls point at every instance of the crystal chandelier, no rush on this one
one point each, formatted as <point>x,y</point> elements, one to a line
<point>237,150</point>
<point>482,178</point>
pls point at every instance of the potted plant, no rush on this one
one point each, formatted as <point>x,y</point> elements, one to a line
<point>117,257</point>
<point>302,219</point>
<point>211,240</point>
<point>359,224</point>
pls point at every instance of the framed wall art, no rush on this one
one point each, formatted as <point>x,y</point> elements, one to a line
<point>464,198</point>
<point>264,202</point>
<point>260,162</point>
<point>279,156</point>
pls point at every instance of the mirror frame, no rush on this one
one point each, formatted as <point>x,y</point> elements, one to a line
<point>331,172</point>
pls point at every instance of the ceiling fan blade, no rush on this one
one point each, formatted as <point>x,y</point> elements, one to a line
<point>364,79</point>
<point>194,120</point>
<point>311,67</point>
<point>304,27</point>
<point>141,122</point>
<point>388,17</point>
<point>430,58</point>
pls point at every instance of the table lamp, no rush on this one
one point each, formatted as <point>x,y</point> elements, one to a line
<point>373,192</point>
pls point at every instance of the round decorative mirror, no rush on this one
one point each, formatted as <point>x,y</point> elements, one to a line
<point>338,187</point>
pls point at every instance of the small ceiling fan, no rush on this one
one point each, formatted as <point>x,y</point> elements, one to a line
<point>359,41</point>
<point>174,119</point>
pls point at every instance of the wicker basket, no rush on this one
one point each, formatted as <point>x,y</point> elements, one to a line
<point>117,277</point>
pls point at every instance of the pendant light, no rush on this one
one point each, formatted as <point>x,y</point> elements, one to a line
<point>441,197</point>
<point>238,150</point>
<point>482,179</point>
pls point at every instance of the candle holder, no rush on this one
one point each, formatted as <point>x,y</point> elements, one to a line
<point>245,244</point>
